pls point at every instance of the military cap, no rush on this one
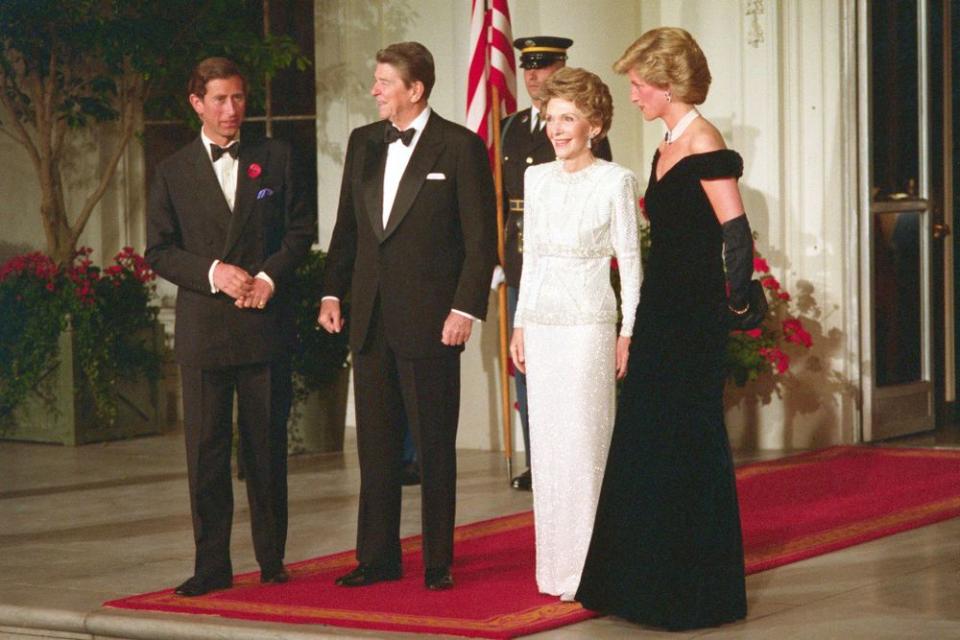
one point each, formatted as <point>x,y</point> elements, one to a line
<point>541,51</point>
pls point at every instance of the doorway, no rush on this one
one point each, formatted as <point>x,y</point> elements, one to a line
<point>908,360</point>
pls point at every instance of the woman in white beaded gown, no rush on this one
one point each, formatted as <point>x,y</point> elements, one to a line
<point>579,212</point>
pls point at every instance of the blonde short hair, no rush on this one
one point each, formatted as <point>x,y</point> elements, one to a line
<point>585,90</point>
<point>669,56</point>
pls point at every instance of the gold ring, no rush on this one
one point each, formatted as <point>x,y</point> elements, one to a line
<point>261,305</point>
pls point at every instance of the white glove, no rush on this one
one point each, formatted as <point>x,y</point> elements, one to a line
<point>499,277</point>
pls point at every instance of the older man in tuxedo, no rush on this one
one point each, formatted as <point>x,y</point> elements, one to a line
<point>226,224</point>
<point>414,245</point>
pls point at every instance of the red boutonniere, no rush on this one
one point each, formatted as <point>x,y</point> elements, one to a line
<point>254,171</point>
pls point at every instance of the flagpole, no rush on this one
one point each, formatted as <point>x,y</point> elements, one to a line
<point>502,289</point>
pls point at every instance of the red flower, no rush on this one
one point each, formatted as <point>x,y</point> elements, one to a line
<point>643,209</point>
<point>254,171</point>
<point>754,333</point>
<point>777,358</point>
<point>783,295</point>
<point>760,265</point>
<point>770,283</point>
<point>794,332</point>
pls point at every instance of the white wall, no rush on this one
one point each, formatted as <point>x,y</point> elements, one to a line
<point>118,219</point>
<point>20,204</point>
<point>783,96</point>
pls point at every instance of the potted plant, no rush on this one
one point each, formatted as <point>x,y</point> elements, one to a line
<point>320,367</point>
<point>80,349</point>
<point>765,350</point>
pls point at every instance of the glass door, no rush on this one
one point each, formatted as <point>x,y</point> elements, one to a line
<point>897,225</point>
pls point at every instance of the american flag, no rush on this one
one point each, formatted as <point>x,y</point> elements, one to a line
<point>491,65</point>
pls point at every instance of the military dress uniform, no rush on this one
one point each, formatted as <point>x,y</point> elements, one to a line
<point>524,144</point>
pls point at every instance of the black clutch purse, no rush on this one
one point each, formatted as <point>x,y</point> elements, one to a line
<point>753,315</point>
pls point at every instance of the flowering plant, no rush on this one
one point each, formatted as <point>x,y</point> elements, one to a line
<point>108,310</point>
<point>753,353</point>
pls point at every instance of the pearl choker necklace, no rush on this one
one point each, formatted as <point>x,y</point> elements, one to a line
<point>677,131</point>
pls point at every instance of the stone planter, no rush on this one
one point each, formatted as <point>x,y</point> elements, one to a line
<point>55,413</point>
<point>317,423</point>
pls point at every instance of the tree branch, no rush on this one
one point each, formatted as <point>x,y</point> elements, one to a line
<point>59,136</point>
<point>109,171</point>
<point>22,135</point>
<point>49,88</point>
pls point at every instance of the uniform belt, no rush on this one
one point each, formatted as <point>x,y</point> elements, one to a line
<point>516,205</point>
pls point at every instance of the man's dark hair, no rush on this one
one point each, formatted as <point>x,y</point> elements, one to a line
<point>213,69</point>
<point>413,61</point>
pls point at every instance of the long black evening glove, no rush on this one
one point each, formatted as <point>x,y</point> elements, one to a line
<point>747,305</point>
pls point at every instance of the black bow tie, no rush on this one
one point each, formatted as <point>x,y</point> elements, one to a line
<point>392,134</point>
<point>216,151</point>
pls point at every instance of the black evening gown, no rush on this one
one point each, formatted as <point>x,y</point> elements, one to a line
<point>667,548</point>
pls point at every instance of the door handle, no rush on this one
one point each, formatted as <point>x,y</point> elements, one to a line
<point>940,231</point>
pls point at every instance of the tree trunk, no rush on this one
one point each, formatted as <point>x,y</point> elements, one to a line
<point>56,226</point>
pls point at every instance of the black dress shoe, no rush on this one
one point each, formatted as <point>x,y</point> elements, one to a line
<point>522,482</point>
<point>410,474</point>
<point>276,576</point>
<point>438,579</point>
<point>197,586</point>
<point>366,574</point>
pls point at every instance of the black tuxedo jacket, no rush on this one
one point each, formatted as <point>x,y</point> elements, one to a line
<point>439,247</point>
<point>189,225</point>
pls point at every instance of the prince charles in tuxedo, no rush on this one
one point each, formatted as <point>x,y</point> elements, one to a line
<point>226,224</point>
<point>414,246</point>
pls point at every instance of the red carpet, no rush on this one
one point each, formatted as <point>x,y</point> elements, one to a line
<point>813,503</point>
<point>792,508</point>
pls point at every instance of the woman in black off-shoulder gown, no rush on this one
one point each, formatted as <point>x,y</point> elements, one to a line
<point>666,547</point>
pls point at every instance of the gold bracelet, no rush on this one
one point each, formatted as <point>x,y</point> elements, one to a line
<point>739,312</point>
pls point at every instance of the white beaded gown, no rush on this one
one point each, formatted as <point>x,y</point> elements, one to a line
<point>573,224</point>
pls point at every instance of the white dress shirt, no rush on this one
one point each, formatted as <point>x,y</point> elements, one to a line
<point>398,157</point>
<point>536,122</point>
<point>226,170</point>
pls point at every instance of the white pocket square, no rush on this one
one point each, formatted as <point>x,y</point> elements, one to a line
<point>436,176</point>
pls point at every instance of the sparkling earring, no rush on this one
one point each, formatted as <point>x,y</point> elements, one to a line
<point>590,142</point>
<point>667,96</point>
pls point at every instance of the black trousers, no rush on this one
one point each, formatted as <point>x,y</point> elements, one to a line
<point>426,392</point>
<point>264,393</point>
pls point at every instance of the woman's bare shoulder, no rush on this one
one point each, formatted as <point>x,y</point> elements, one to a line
<point>704,137</point>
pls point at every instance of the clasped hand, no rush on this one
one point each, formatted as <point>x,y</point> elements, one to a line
<point>247,291</point>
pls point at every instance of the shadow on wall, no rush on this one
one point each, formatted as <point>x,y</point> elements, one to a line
<point>360,29</point>
<point>810,392</point>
